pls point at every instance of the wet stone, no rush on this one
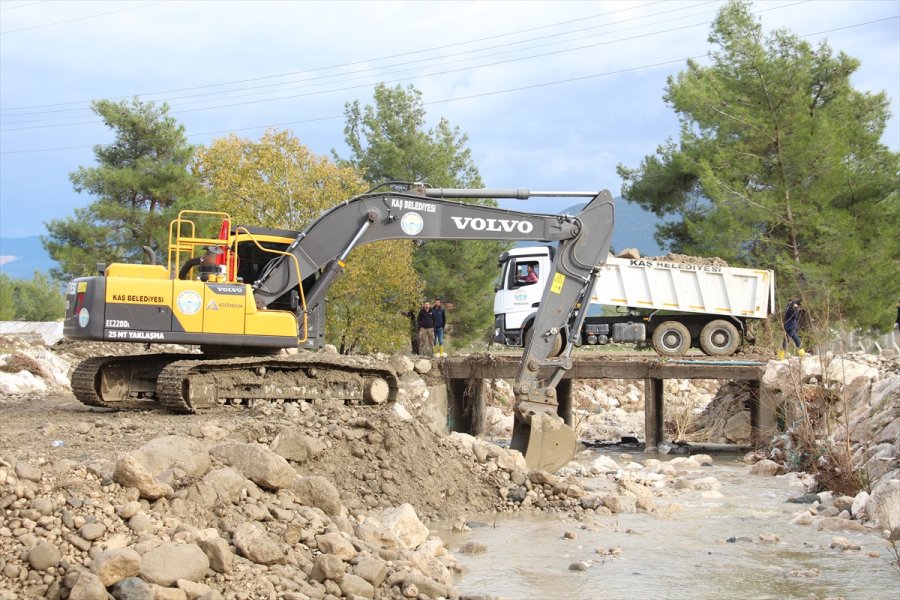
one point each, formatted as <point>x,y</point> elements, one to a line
<point>805,499</point>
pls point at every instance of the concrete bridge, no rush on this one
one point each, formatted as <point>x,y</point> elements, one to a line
<point>466,375</point>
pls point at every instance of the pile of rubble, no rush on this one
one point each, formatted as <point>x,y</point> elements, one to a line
<point>318,500</point>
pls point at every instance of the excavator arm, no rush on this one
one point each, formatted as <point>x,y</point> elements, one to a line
<point>431,214</point>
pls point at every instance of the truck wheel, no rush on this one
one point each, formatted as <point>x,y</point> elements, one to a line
<point>719,338</point>
<point>558,345</point>
<point>671,338</point>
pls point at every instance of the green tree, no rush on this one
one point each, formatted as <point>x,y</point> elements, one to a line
<point>278,182</point>
<point>779,165</point>
<point>390,140</point>
<point>40,299</point>
<point>7,303</point>
<point>140,181</point>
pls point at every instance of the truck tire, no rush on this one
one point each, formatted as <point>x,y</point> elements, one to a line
<point>671,338</point>
<point>719,338</point>
<point>558,345</point>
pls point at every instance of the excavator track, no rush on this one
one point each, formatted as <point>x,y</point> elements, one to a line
<point>121,382</point>
<point>189,385</point>
<point>186,383</point>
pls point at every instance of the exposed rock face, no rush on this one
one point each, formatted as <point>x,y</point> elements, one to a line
<point>883,505</point>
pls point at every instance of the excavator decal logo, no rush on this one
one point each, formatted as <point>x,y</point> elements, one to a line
<point>558,280</point>
<point>479,224</point>
<point>189,302</point>
<point>412,223</point>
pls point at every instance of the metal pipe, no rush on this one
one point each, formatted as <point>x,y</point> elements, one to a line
<point>516,194</point>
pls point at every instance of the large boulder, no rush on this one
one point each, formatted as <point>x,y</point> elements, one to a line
<point>219,486</point>
<point>318,492</point>
<point>258,463</point>
<point>112,566</point>
<point>737,428</point>
<point>43,556</point>
<point>766,467</point>
<point>88,587</point>
<point>405,524</point>
<point>170,561</point>
<point>252,541</point>
<point>376,534</point>
<point>130,472</point>
<point>296,446</point>
<point>851,378</point>
<point>174,452</point>
<point>883,505</point>
<point>336,544</point>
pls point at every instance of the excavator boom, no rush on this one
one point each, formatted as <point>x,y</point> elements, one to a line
<point>426,214</point>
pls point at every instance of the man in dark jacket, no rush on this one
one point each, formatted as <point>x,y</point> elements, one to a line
<point>440,320</point>
<point>425,325</point>
<point>791,323</point>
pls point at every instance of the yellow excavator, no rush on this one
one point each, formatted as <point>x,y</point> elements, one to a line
<point>249,292</point>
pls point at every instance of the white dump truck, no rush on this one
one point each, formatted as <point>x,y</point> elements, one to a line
<point>674,305</point>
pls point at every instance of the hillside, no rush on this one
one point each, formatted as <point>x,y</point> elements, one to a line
<point>634,227</point>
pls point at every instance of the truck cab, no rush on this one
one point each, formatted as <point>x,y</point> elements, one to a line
<point>517,299</point>
<point>674,306</point>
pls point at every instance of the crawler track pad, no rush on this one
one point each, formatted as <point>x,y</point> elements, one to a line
<point>547,443</point>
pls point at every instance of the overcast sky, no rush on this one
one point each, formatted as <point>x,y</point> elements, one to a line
<point>551,94</point>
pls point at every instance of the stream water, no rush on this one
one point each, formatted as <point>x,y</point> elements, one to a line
<point>678,553</point>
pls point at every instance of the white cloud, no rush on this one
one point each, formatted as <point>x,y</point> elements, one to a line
<point>569,134</point>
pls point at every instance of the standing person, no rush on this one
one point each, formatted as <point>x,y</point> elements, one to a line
<point>791,324</point>
<point>425,324</point>
<point>440,319</point>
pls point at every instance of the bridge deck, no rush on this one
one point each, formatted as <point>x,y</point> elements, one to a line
<point>466,375</point>
<point>488,366</point>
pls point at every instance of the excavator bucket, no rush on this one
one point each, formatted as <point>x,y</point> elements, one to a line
<point>547,443</point>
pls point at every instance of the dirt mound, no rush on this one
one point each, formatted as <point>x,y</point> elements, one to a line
<point>690,260</point>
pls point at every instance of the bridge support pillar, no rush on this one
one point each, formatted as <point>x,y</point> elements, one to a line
<point>465,410</point>
<point>653,413</point>
<point>564,398</point>
<point>762,415</point>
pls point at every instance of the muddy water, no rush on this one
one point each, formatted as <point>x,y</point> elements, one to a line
<point>677,554</point>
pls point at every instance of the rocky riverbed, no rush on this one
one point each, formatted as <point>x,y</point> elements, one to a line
<point>323,501</point>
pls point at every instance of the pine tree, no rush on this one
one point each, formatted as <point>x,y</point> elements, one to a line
<point>779,165</point>
<point>390,141</point>
<point>140,181</point>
